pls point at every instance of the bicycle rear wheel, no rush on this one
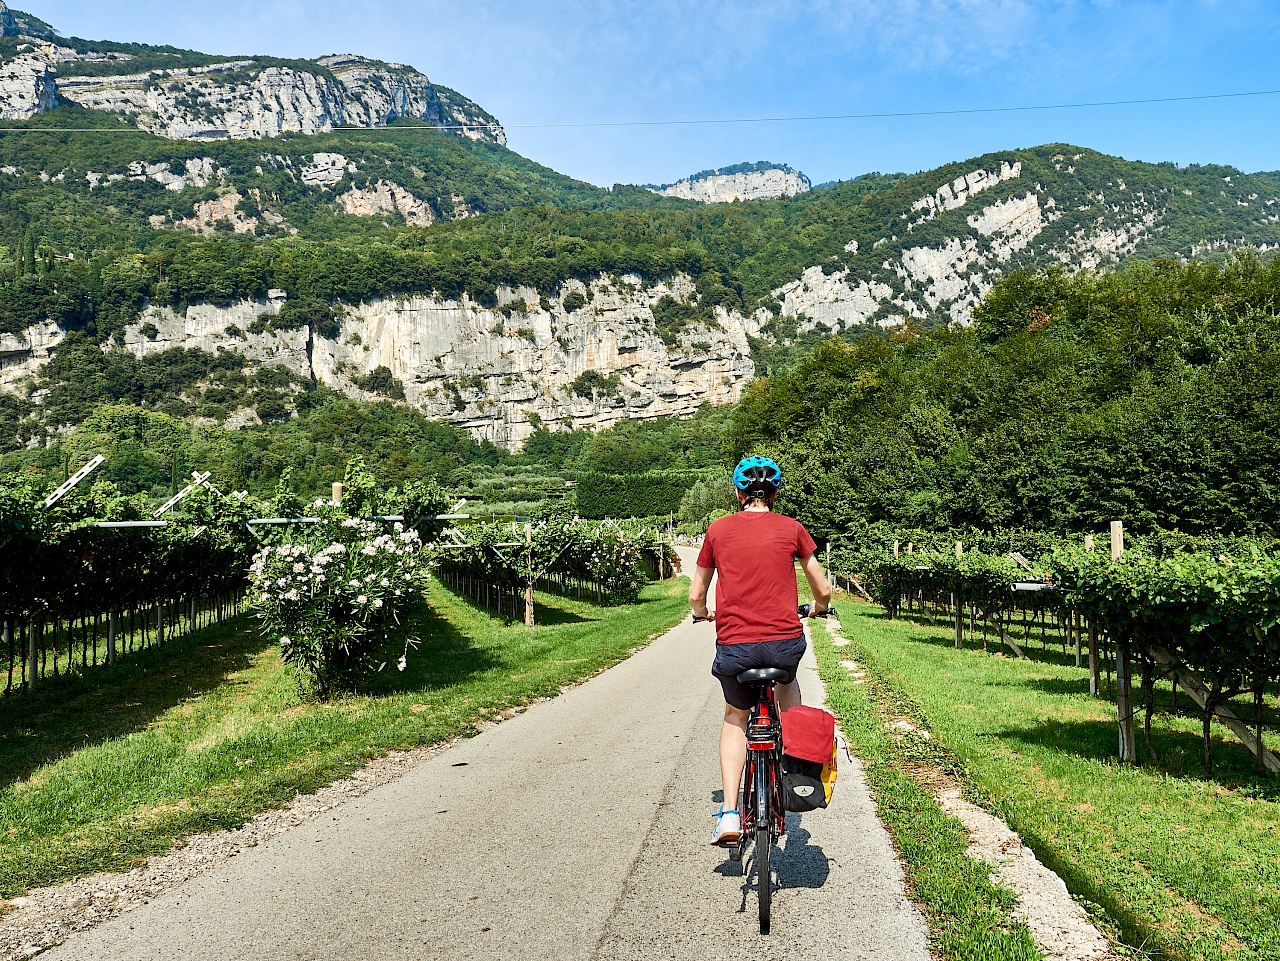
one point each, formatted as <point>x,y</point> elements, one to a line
<point>764,842</point>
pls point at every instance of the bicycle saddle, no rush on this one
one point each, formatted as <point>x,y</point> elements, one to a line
<point>766,675</point>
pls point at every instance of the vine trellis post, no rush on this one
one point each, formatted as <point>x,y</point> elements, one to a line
<point>1124,676</point>
<point>528,588</point>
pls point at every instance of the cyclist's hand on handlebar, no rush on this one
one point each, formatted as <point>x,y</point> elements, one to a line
<point>808,610</point>
<point>711,616</point>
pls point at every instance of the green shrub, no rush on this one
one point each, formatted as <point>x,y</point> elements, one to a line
<point>380,380</point>
<point>574,300</point>
<point>632,495</point>
<point>707,497</point>
<point>591,382</point>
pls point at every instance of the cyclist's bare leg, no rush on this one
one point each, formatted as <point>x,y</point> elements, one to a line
<point>787,695</point>
<point>733,752</point>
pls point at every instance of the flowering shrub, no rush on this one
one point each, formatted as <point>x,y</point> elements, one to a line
<point>336,593</point>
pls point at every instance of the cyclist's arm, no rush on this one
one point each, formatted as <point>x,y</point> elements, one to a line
<point>698,586</point>
<point>817,582</point>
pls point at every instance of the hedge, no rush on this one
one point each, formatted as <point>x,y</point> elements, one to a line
<point>633,495</point>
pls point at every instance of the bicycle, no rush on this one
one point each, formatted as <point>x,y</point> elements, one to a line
<point>764,818</point>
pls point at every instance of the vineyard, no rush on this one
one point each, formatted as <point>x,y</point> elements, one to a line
<point>1201,614</point>
<point>95,575</point>
<point>498,566</point>
<point>91,575</point>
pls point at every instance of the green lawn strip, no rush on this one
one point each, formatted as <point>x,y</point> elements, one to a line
<point>969,915</point>
<point>98,772</point>
<point>1176,865</point>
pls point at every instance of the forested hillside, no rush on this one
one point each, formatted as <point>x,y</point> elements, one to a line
<point>1151,394</point>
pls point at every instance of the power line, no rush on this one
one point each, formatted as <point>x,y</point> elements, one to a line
<point>959,111</point>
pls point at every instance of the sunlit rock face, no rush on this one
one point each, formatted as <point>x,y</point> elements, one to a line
<point>756,182</point>
<point>496,371</point>
<point>240,98</point>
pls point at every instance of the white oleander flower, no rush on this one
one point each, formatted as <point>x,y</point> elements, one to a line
<point>377,602</point>
<point>362,600</point>
<point>403,662</point>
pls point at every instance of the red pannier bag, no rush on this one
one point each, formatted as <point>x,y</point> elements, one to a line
<point>808,758</point>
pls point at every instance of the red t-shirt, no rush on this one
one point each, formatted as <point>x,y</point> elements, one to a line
<point>754,553</point>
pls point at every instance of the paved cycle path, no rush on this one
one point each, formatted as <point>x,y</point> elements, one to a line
<point>577,830</point>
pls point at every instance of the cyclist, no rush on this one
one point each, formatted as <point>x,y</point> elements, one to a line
<point>754,551</point>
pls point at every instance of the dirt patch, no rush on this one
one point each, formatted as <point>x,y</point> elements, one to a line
<point>1057,922</point>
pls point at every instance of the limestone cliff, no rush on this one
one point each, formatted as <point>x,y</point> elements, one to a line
<point>28,86</point>
<point>759,181</point>
<point>488,369</point>
<point>945,278</point>
<point>233,98</point>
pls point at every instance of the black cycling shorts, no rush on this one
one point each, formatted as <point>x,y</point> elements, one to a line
<point>732,659</point>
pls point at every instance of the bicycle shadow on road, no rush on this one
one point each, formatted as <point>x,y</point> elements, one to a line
<point>801,864</point>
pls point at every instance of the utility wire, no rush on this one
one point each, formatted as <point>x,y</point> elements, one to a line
<point>961,111</point>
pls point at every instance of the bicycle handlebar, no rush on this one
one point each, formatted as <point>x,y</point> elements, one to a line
<point>806,610</point>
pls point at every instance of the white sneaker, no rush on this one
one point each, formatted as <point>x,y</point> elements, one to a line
<point>728,828</point>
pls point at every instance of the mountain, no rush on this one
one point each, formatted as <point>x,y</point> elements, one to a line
<point>747,181</point>
<point>224,278</point>
<point>185,95</point>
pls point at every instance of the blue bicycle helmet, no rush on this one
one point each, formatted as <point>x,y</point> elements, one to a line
<point>757,474</point>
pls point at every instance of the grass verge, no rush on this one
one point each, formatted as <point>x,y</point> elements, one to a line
<point>968,914</point>
<point>1175,864</point>
<point>102,771</point>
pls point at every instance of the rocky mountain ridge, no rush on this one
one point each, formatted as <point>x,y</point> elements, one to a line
<point>183,95</point>
<point>757,181</point>
<point>589,357</point>
<point>620,345</point>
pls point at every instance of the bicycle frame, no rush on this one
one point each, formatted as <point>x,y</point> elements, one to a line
<point>760,793</point>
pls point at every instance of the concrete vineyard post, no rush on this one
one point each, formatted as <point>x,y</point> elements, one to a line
<point>1124,678</point>
<point>959,605</point>
<point>528,589</point>
<point>1095,665</point>
<point>337,493</point>
<point>111,637</point>
<point>1124,704</point>
<point>895,550</point>
<point>33,665</point>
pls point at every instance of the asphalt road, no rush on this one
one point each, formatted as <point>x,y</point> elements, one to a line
<point>577,830</point>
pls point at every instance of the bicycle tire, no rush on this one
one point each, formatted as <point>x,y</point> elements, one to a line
<point>764,845</point>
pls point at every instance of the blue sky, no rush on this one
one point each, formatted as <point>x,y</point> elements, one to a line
<point>611,60</point>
